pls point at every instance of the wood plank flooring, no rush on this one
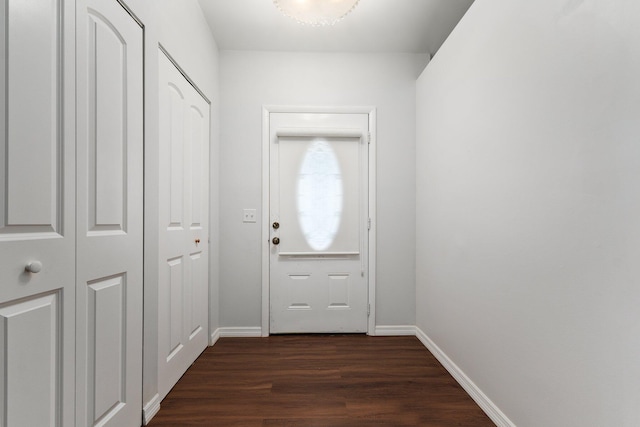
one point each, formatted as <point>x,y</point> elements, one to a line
<point>318,380</point>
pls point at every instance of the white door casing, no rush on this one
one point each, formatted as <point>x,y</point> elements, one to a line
<point>109,286</point>
<point>183,302</point>
<point>319,197</point>
<point>37,213</point>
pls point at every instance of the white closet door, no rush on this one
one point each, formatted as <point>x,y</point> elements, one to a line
<point>37,213</point>
<point>109,215</point>
<point>183,296</point>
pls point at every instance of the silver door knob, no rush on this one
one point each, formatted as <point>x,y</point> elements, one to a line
<point>33,267</point>
<point>275,240</point>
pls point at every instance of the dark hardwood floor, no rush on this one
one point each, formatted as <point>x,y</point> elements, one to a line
<point>318,380</point>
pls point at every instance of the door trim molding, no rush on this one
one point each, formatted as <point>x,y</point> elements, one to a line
<point>371,274</point>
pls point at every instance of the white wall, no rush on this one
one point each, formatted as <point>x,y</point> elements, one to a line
<point>182,30</point>
<point>250,80</point>
<point>528,178</point>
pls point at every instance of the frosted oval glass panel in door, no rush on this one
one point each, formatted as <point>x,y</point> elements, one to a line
<point>319,195</point>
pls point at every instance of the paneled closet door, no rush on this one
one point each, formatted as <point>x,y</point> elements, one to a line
<point>183,297</point>
<point>109,215</point>
<point>37,213</point>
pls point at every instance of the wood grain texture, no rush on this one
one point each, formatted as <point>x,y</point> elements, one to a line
<point>318,380</point>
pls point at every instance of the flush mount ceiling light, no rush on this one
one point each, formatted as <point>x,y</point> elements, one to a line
<point>317,13</point>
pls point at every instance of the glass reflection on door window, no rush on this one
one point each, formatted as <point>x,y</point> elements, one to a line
<point>320,195</point>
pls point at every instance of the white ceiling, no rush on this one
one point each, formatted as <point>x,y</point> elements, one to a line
<point>411,26</point>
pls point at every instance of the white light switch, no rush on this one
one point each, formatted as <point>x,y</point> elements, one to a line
<point>249,215</point>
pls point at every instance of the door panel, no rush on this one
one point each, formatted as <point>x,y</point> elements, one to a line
<point>109,226</point>
<point>30,336</point>
<point>37,214</point>
<point>197,123</point>
<point>175,311</point>
<point>176,159</point>
<point>318,198</point>
<point>31,46</point>
<point>107,79</point>
<point>106,347</point>
<point>183,296</point>
<point>197,311</point>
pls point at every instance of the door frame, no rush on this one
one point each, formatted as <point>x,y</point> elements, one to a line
<point>266,148</point>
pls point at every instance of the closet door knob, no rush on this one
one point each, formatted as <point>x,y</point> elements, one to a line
<point>33,267</point>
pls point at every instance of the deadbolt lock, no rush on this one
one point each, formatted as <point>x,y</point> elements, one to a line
<point>276,225</point>
<point>275,240</point>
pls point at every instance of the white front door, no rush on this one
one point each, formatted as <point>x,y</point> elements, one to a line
<point>318,211</point>
<point>183,292</point>
<point>109,215</point>
<point>37,213</point>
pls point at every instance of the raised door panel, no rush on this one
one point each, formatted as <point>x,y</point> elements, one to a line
<point>176,158</point>
<point>107,136</point>
<point>107,347</point>
<point>175,320</point>
<point>30,364</point>
<point>198,152</point>
<point>197,313</point>
<point>31,117</point>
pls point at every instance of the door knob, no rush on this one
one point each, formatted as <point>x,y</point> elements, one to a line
<point>276,225</point>
<point>197,241</point>
<point>33,267</point>
<point>275,240</point>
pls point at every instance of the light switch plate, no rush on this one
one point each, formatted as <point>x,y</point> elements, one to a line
<point>249,215</point>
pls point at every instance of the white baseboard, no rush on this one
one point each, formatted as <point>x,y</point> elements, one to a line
<point>150,409</point>
<point>492,411</point>
<point>215,336</point>
<point>252,331</point>
<point>256,331</point>
<point>395,330</point>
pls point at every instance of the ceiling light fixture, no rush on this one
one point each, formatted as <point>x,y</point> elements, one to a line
<point>317,13</point>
